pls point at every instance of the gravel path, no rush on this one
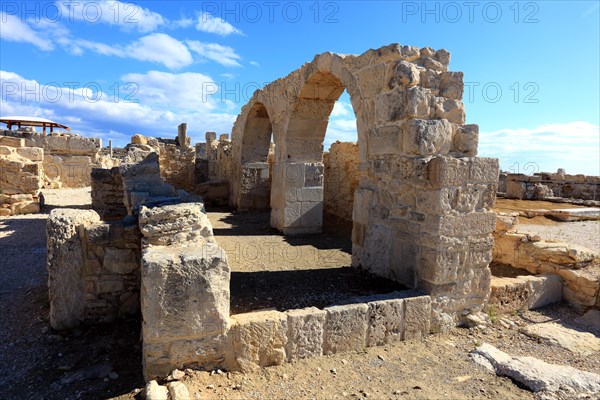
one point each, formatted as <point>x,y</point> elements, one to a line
<point>583,233</point>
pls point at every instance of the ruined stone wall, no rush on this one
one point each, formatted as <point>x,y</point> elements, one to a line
<point>21,173</point>
<point>544,184</point>
<point>107,194</point>
<point>423,208</point>
<point>177,162</point>
<point>93,268</point>
<point>576,265</point>
<point>340,179</point>
<point>68,158</point>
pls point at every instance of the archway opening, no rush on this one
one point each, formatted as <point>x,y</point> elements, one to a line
<point>256,161</point>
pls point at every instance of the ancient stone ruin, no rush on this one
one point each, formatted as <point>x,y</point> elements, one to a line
<point>419,199</point>
<point>545,185</point>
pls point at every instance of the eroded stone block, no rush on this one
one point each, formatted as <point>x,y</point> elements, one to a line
<point>257,339</point>
<point>305,333</point>
<point>345,328</point>
<point>417,317</point>
<point>385,320</point>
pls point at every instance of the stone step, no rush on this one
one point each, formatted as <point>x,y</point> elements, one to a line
<point>525,292</point>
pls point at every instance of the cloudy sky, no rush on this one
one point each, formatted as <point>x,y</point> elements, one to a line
<point>112,69</point>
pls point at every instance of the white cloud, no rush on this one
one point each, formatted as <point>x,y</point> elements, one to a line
<point>157,47</point>
<point>574,146</point>
<point>160,48</point>
<point>127,15</point>
<point>341,109</point>
<point>187,91</point>
<point>208,23</point>
<point>254,63</point>
<point>223,55</point>
<point>15,30</point>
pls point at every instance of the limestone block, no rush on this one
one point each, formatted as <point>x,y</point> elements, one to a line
<point>138,139</point>
<point>25,207</point>
<point>515,189</point>
<point>31,153</point>
<point>451,85</point>
<point>427,137</point>
<point>466,139</point>
<point>403,73</point>
<point>450,109</point>
<point>430,79</point>
<point>12,141</point>
<point>65,260</point>
<point>120,261</point>
<point>417,317</point>
<point>185,291</point>
<point>385,140</point>
<point>417,103</point>
<point>345,328</point>
<point>371,80</point>
<point>6,150</point>
<point>385,321</point>
<point>257,339</point>
<point>450,171</point>
<point>305,333</point>
<point>185,307</point>
<point>430,63</point>
<point>476,223</point>
<point>175,223</point>
<point>443,56</point>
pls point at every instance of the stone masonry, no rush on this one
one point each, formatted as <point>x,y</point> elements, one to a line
<point>422,210</point>
<point>21,173</point>
<point>340,179</point>
<point>543,185</point>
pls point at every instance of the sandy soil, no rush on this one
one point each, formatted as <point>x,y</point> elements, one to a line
<point>37,362</point>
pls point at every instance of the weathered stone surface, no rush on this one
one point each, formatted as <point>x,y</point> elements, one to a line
<point>403,74</point>
<point>555,334</point>
<point>257,339</point>
<point>385,321</point>
<point>177,223</point>
<point>65,264</point>
<point>525,292</point>
<point>424,137</point>
<point>538,375</point>
<point>417,317</point>
<point>185,306</point>
<point>345,328</point>
<point>305,333</point>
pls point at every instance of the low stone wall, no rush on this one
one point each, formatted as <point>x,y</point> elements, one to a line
<point>578,266</point>
<point>266,338</point>
<point>107,194</point>
<point>21,173</point>
<point>93,268</point>
<point>544,184</point>
<point>341,179</point>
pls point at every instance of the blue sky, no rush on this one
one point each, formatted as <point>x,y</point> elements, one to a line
<point>112,69</point>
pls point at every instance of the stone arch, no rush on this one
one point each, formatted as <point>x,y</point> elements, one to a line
<point>251,137</point>
<point>297,201</point>
<point>423,210</point>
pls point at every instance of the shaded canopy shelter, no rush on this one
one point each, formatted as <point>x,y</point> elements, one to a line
<point>32,121</point>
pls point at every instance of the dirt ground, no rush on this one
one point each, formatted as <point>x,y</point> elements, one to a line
<point>268,270</point>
